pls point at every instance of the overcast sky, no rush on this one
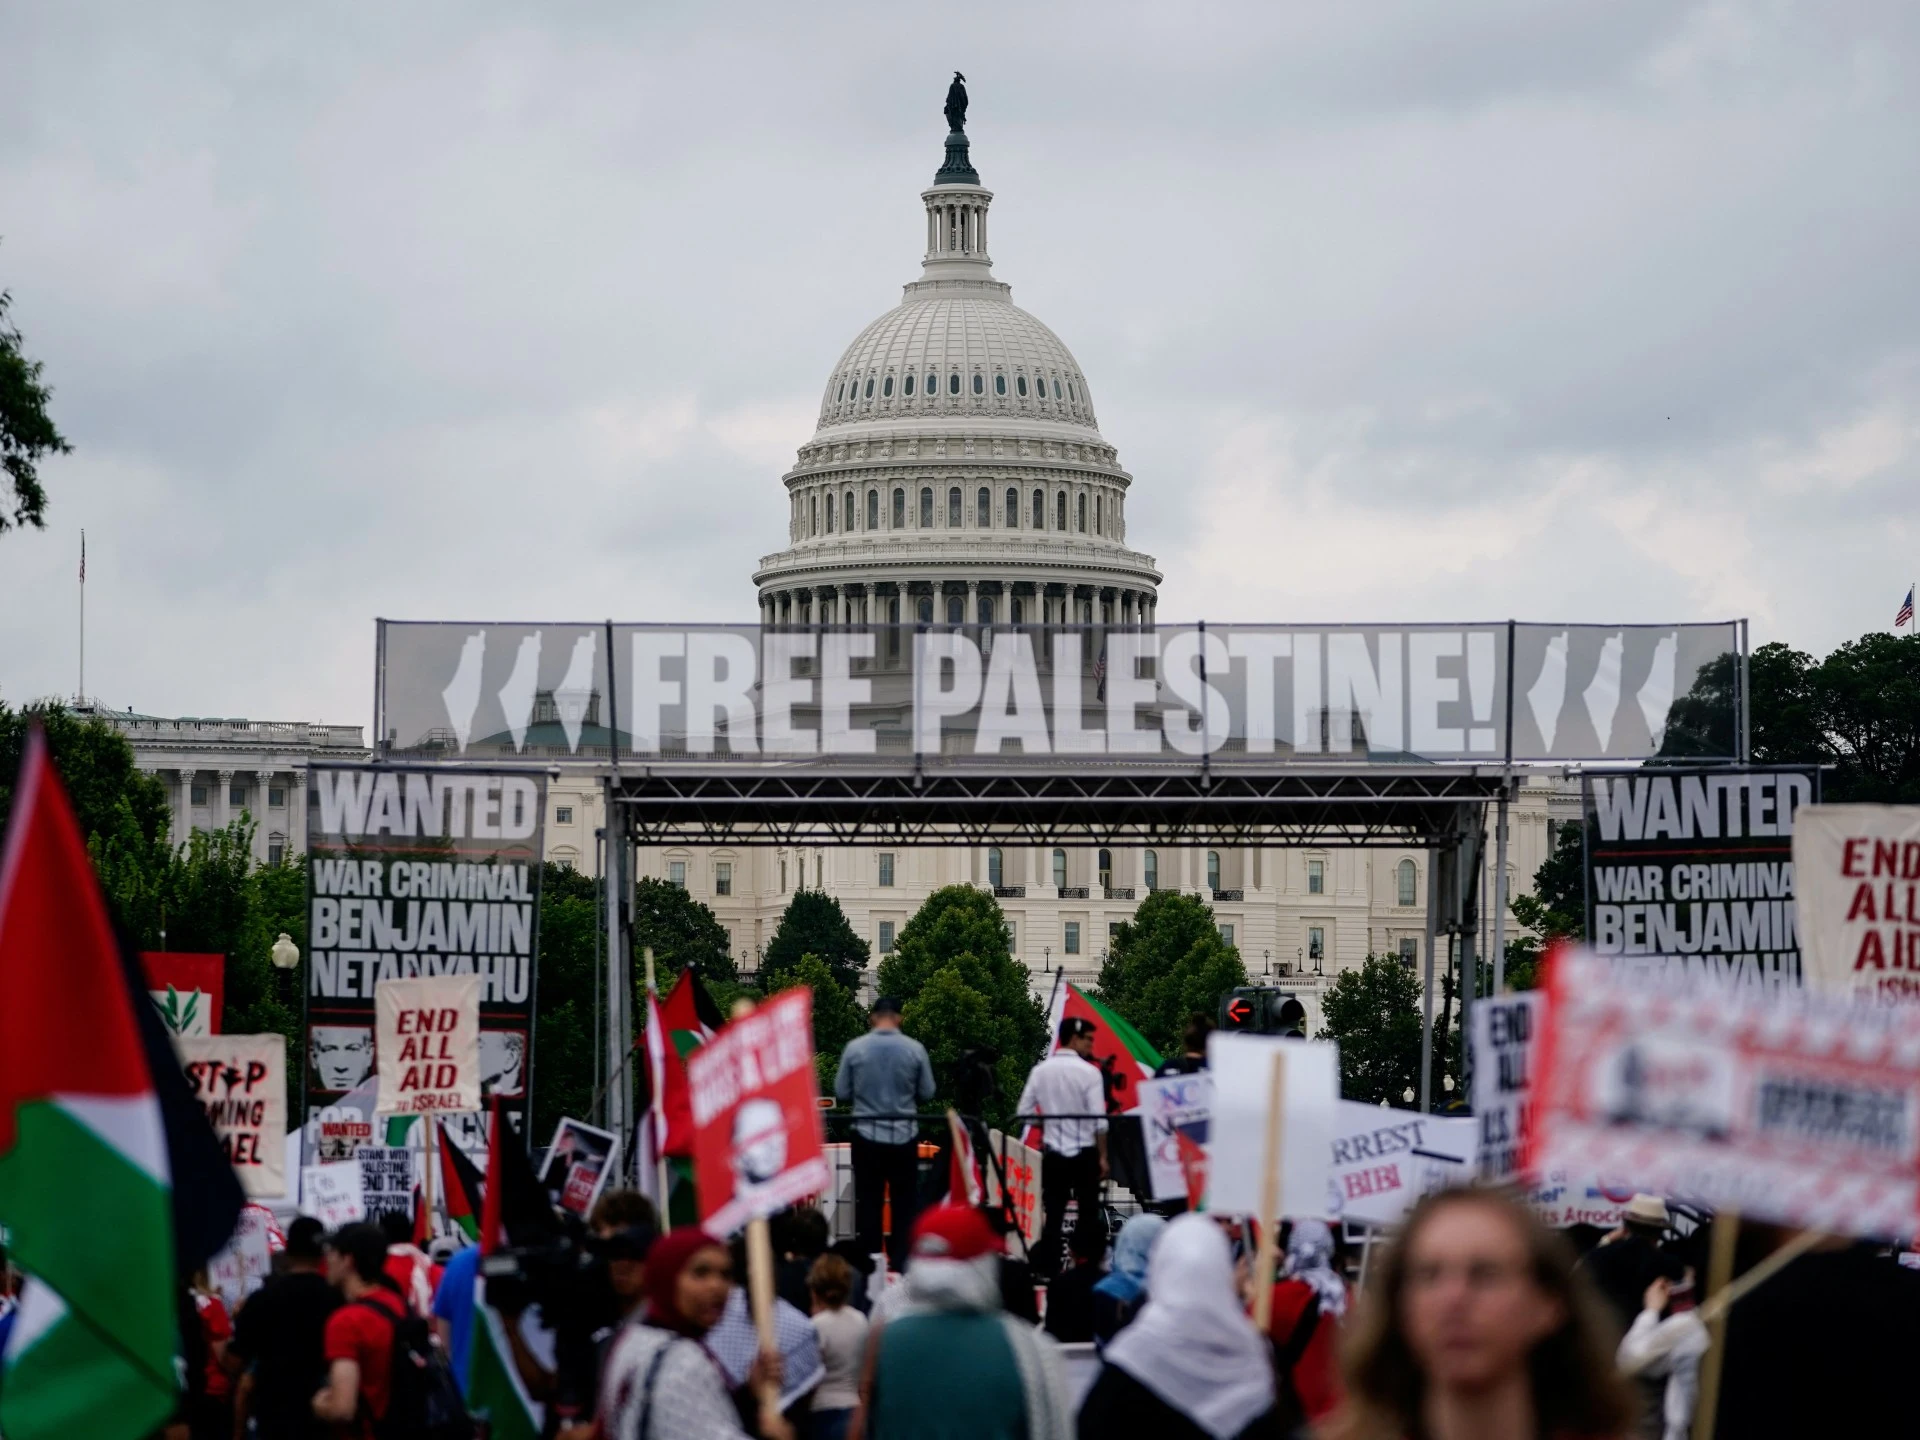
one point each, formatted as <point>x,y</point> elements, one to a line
<point>1395,311</point>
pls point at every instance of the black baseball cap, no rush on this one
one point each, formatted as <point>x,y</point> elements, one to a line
<point>1073,1027</point>
<point>886,1005</point>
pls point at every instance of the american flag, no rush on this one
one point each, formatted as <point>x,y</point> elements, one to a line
<point>1100,672</point>
<point>83,559</point>
<point>1905,612</point>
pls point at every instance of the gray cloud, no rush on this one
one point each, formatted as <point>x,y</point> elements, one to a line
<point>1597,311</point>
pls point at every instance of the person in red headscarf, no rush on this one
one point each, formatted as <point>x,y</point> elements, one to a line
<point>659,1380</point>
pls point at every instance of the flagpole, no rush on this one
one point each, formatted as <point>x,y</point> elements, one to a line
<point>81,698</point>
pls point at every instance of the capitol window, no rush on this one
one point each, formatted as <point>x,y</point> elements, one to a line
<point>1099,510</point>
<point>956,610</point>
<point>899,509</point>
<point>979,383</point>
<point>1316,877</point>
<point>1013,509</point>
<point>1060,511</point>
<point>999,384</point>
<point>1056,387</point>
<point>994,871</point>
<point>1072,394</point>
<point>933,384</point>
<point>953,508</point>
<point>886,388</point>
<point>886,867</point>
<point>1150,867</point>
<point>926,609</point>
<point>1059,869</point>
<point>926,509</point>
<point>843,393</point>
<point>1106,869</point>
<point>983,505</point>
<point>1406,883</point>
<point>847,512</point>
<point>953,383</point>
<point>986,617</point>
<point>813,514</point>
<point>1039,510</point>
<point>907,388</point>
<point>1213,870</point>
<point>869,387</point>
<point>1020,386</point>
<point>873,509</point>
<point>829,514</point>
<point>1073,937</point>
<point>1016,611</point>
<point>1080,515</point>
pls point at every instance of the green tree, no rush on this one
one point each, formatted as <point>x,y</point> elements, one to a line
<point>681,931</point>
<point>565,1037</point>
<point>1166,963</point>
<point>963,995</point>
<point>813,924</point>
<point>1374,1014</point>
<point>837,1017</point>
<point>27,432</point>
<point>96,767</point>
<point>1556,910</point>
<point>1866,697</point>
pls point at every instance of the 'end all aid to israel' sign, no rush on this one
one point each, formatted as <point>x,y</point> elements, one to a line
<point>427,1045</point>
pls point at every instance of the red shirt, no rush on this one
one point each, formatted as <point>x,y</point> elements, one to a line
<point>216,1326</point>
<point>403,1263</point>
<point>1316,1374</point>
<point>356,1333</point>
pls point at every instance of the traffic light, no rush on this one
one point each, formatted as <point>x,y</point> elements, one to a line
<point>1261,1010</point>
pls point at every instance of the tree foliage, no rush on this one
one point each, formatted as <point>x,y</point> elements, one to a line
<point>1374,1014</point>
<point>27,433</point>
<point>681,931</point>
<point>1166,963</point>
<point>813,924</point>
<point>965,997</point>
<point>837,1016</point>
<point>570,939</point>
<point>1556,910</point>
<point>96,766</point>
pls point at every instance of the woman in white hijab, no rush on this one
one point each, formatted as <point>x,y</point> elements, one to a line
<point>1191,1366</point>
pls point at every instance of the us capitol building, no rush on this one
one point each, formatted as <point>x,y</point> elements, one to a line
<point>957,474</point>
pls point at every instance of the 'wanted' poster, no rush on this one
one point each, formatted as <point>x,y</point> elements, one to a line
<point>417,872</point>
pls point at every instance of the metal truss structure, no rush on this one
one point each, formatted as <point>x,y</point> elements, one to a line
<point>1376,805</point>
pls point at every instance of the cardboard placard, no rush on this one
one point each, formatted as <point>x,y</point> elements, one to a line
<point>1171,1107</point>
<point>1788,1105</point>
<point>1505,1029</point>
<point>1857,868</point>
<point>758,1143</point>
<point>241,1083</point>
<point>386,1179</point>
<point>188,989</point>
<point>331,1194</point>
<point>1385,1160</point>
<point>243,1264</point>
<point>1236,1136</point>
<point>1021,1162</point>
<point>428,1044</point>
<point>578,1165</point>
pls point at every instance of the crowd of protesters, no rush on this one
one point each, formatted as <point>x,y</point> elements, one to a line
<point>1475,1321</point>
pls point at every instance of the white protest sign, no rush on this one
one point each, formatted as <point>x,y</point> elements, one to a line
<point>1562,1200</point>
<point>1242,1067</point>
<point>578,1165</point>
<point>1170,1107</point>
<point>1504,1030</point>
<point>1857,875</point>
<point>1021,1164</point>
<point>243,1264</point>
<point>386,1179</point>
<point>241,1083</point>
<point>1792,1106</point>
<point>331,1194</point>
<point>1384,1160</point>
<point>427,1044</point>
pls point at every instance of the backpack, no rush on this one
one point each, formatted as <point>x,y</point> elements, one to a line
<point>423,1398</point>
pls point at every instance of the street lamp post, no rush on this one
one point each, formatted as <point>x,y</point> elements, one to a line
<point>1047,952</point>
<point>285,956</point>
<point>1267,955</point>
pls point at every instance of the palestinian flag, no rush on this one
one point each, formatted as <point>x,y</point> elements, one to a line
<point>514,1212</point>
<point>963,1167</point>
<point>112,1185</point>
<point>1118,1049</point>
<point>676,1027</point>
<point>460,1187</point>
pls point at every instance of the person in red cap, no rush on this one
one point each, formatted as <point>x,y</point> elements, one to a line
<point>949,1364</point>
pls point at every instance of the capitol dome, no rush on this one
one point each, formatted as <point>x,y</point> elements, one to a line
<point>957,472</point>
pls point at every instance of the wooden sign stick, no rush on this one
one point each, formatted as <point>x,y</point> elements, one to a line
<point>1267,1257</point>
<point>760,1296</point>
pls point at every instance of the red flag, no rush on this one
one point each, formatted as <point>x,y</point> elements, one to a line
<point>963,1172</point>
<point>676,1027</point>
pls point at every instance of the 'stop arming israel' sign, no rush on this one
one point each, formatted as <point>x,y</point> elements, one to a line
<point>1171,694</point>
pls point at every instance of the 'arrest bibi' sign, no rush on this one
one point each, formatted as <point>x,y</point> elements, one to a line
<point>427,1044</point>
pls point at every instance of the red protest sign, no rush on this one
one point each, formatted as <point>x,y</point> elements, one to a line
<point>187,988</point>
<point>1794,1107</point>
<point>758,1144</point>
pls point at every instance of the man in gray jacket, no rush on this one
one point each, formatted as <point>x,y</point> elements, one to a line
<point>885,1073</point>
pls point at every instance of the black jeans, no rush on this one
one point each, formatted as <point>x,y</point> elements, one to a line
<point>1064,1177</point>
<point>877,1169</point>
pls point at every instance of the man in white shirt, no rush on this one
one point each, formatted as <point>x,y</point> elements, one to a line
<point>1073,1158</point>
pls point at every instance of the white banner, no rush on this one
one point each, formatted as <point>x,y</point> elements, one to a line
<point>427,1044</point>
<point>1504,1030</point>
<point>1384,1160</point>
<point>1857,869</point>
<point>386,1179</point>
<point>241,1082</point>
<point>1242,1067</point>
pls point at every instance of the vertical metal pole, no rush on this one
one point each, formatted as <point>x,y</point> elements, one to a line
<point>1426,999</point>
<point>1746,700</point>
<point>1500,897</point>
<point>619,997</point>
